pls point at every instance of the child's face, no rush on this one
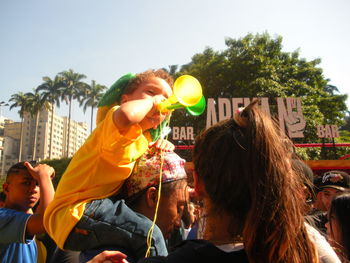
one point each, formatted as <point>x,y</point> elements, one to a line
<point>334,232</point>
<point>158,90</point>
<point>22,191</point>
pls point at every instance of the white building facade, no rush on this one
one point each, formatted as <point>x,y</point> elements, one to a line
<point>10,142</point>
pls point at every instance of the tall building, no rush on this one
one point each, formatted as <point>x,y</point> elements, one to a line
<point>10,141</point>
<point>77,136</point>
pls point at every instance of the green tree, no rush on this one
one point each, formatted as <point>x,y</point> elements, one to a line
<point>71,89</point>
<point>36,102</point>
<point>51,92</point>
<point>90,98</point>
<point>20,100</point>
<point>173,70</point>
<point>347,124</point>
<point>256,66</point>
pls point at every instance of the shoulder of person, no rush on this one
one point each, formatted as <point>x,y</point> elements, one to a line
<point>199,251</point>
<point>13,226</point>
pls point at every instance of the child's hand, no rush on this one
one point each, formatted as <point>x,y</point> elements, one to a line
<point>162,145</point>
<point>41,170</point>
<point>109,257</point>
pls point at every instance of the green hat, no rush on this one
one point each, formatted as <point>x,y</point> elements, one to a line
<point>115,92</point>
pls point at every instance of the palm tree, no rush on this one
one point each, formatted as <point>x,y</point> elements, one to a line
<point>51,92</point>
<point>91,97</point>
<point>20,100</point>
<point>36,103</point>
<point>71,89</point>
<point>172,70</point>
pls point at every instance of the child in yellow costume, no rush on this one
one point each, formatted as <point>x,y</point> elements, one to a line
<point>106,160</point>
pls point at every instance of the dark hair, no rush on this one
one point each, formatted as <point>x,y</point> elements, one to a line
<point>302,169</point>
<point>245,165</point>
<point>14,169</point>
<point>340,209</point>
<point>144,76</point>
<point>2,196</point>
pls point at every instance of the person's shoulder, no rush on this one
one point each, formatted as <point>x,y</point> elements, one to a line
<point>325,251</point>
<point>9,213</point>
<point>199,251</point>
<point>12,223</point>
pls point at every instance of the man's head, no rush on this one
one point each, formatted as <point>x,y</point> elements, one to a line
<point>21,189</point>
<point>142,189</point>
<point>332,184</point>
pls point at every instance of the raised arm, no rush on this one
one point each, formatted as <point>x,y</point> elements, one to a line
<point>42,174</point>
<point>132,112</point>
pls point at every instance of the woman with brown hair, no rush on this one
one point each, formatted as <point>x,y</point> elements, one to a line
<point>338,226</point>
<point>253,199</point>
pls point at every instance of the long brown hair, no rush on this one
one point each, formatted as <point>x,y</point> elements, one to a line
<point>245,165</point>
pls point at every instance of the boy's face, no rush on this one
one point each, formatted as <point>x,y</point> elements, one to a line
<point>170,210</point>
<point>22,191</point>
<point>327,194</point>
<point>157,89</point>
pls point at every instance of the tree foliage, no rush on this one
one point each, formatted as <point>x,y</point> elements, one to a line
<point>256,66</point>
<point>60,165</point>
<point>72,86</point>
<point>90,96</point>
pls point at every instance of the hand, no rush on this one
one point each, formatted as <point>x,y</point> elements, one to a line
<point>40,170</point>
<point>155,116</point>
<point>163,145</point>
<point>109,257</point>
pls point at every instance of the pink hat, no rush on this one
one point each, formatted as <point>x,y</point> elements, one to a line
<point>147,171</point>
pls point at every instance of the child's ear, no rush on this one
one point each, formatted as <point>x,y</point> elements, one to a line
<point>151,197</point>
<point>124,98</point>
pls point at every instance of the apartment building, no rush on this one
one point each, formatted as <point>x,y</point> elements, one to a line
<point>10,141</point>
<point>77,136</point>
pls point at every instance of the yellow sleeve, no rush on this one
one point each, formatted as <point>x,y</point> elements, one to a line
<point>96,171</point>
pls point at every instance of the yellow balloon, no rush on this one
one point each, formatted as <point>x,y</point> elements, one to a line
<point>187,90</point>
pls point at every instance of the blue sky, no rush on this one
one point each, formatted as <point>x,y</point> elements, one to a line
<point>105,39</point>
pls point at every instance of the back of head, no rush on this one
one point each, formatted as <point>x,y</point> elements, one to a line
<point>307,175</point>
<point>245,165</point>
<point>340,209</point>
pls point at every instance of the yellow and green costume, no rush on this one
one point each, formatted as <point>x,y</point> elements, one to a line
<point>99,168</point>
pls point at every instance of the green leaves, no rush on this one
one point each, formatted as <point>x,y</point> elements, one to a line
<point>257,66</point>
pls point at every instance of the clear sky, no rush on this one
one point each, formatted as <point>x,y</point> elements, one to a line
<point>105,39</point>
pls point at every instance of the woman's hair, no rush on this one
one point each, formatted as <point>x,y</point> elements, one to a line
<point>245,165</point>
<point>146,75</point>
<point>340,209</point>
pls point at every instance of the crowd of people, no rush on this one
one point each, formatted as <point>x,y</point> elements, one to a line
<point>126,196</point>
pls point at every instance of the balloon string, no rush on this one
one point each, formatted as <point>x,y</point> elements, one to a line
<point>150,231</point>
